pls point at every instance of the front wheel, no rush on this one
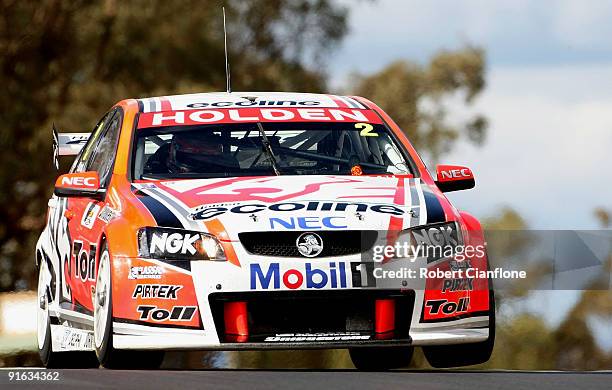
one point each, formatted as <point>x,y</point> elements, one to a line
<point>108,356</point>
<point>445,356</point>
<point>381,358</point>
<point>50,358</point>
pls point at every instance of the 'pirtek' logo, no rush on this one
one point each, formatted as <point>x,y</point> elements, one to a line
<point>462,284</point>
<point>177,313</point>
<point>174,243</point>
<point>161,291</point>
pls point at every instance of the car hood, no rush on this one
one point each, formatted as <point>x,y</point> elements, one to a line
<point>235,205</point>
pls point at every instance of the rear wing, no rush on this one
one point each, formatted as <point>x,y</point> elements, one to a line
<point>67,144</point>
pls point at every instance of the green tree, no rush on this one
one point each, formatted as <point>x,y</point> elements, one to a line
<point>575,344</point>
<point>416,97</point>
<point>68,61</point>
<point>525,341</point>
<point>603,217</point>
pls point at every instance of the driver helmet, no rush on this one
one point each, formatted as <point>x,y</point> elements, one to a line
<point>195,152</point>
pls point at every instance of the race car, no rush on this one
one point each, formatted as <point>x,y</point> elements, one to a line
<point>256,221</point>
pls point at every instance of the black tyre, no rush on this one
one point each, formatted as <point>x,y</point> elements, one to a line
<point>381,358</point>
<point>50,358</point>
<point>108,356</point>
<point>445,356</point>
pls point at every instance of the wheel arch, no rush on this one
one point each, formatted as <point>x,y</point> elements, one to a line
<point>473,228</point>
<point>38,258</point>
<point>471,222</point>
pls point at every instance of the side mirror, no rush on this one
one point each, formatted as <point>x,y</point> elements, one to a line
<point>82,184</point>
<point>454,178</point>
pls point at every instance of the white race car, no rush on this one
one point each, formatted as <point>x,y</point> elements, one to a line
<point>233,221</point>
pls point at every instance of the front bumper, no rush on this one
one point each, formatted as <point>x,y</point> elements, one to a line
<point>336,315</point>
<point>179,340</point>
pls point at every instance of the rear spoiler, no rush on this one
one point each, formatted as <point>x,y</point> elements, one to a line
<point>67,144</point>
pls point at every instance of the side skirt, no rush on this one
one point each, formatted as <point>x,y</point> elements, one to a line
<point>65,339</point>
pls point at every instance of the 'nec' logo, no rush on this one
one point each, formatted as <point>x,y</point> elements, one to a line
<point>456,173</point>
<point>308,223</point>
<point>79,181</point>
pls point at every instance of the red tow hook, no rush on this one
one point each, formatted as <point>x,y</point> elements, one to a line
<point>384,318</point>
<point>236,321</point>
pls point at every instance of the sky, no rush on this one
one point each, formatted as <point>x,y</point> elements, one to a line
<point>548,96</point>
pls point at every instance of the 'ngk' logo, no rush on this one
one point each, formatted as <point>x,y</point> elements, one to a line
<point>440,236</point>
<point>174,243</point>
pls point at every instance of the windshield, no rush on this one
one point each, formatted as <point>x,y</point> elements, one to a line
<point>288,148</point>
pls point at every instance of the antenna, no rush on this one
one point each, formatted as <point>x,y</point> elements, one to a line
<point>227,66</point>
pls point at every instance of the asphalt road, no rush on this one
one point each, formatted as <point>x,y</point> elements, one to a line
<point>317,380</point>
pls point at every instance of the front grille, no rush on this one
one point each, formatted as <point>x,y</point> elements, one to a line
<point>283,244</point>
<point>271,313</point>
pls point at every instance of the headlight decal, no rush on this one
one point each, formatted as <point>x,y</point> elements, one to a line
<point>435,241</point>
<point>216,227</point>
<point>178,244</point>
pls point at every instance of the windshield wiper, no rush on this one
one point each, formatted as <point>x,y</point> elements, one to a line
<point>268,148</point>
